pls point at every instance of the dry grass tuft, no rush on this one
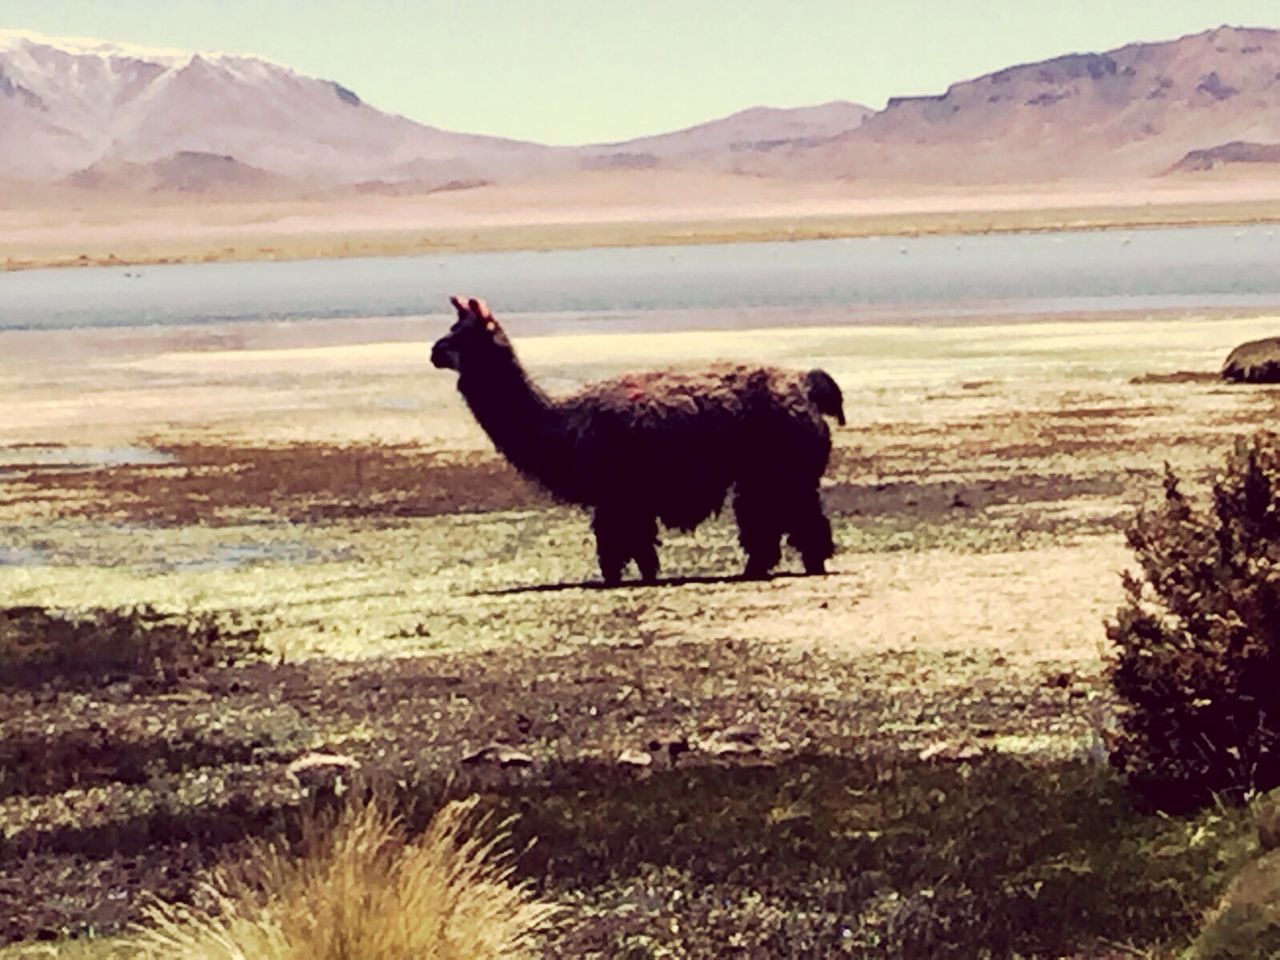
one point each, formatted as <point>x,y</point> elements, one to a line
<point>359,889</point>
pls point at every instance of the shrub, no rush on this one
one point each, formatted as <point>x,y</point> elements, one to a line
<point>39,645</point>
<point>359,890</point>
<point>1197,640</point>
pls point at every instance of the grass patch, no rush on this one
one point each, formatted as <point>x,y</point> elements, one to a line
<point>873,857</point>
<point>450,582</point>
<point>43,645</point>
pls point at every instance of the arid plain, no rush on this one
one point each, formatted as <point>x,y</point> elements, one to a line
<point>61,226</point>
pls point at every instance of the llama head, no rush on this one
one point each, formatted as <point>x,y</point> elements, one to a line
<point>475,337</point>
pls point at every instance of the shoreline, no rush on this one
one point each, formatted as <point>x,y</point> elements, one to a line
<point>134,245</point>
<point>282,337</point>
<point>275,384</point>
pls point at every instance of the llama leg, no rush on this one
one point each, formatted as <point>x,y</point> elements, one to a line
<point>760,529</point>
<point>645,548</point>
<point>613,548</point>
<point>810,532</point>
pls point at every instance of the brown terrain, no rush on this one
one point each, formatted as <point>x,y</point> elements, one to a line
<point>54,227</point>
<point>899,756</point>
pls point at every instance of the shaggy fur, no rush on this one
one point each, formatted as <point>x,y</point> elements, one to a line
<point>660,446</point>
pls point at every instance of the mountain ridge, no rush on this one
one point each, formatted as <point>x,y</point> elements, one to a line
<point>1135,110</point>
<point>109,115</point>
<point>119,105</point>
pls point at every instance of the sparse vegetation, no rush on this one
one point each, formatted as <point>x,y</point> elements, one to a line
<point>358,889</point>
<point>876,856</point>
<point>925,781</point>
<point>1197,641</point>
<point>40,645</point>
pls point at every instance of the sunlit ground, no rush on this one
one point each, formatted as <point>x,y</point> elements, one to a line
<point>926,754</point>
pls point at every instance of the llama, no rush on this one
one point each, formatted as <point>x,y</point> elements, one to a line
<point>666,445</point>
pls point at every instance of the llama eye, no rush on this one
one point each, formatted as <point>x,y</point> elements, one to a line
<point>491,326</point>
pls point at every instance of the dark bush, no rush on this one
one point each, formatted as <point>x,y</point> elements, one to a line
<point>1197,642</point>
<point>40,645</point>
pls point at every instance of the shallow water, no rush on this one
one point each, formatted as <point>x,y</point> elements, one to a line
<point>61,455</point>
<point>182,550</point>
<point>20,556</point>
<point>859,280</point>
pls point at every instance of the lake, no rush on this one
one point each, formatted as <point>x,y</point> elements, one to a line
<point>928,279</point>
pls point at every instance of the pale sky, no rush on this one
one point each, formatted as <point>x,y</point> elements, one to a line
<point>576,71</point>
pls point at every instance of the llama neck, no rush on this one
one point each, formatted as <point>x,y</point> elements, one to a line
<point>520,419</point>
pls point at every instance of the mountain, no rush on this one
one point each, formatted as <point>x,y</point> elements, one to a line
<point>1134,111</point>
<point>82,107</point>
<point>110,116</point>
<point>718,143</point>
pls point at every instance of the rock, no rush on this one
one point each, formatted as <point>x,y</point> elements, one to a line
<point>1269,821</point>
<point>740,739</point>
<point>323,772</point>
<point>674,743</point>
<point>501,754</point>
<point>933,750</point>
<point>741,733</point>
<point>942,750</point>
<point>1246,924</point>
<point>718,746</point>
<point>1257,361</point>
<point>635,758</point>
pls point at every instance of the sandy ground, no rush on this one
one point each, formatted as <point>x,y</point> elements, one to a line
<point>56,227</point>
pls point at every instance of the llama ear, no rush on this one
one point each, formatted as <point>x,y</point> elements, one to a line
<point>480,309</point>
<point>459,305</point>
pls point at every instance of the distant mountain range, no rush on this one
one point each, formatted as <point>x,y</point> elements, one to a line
<point>109,116</point>
<point>1142,110</point>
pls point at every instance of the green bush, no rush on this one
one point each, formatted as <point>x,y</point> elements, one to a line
<point>1197,642</point>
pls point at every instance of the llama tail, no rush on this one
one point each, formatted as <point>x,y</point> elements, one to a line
<point>825,394</point>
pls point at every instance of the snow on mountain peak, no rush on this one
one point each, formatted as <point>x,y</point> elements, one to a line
<point>84,106</point>
<point>11,40</point>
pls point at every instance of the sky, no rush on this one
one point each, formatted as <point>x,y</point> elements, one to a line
<point>581,71</point>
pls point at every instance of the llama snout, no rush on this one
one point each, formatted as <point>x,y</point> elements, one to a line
<point>443,357</point>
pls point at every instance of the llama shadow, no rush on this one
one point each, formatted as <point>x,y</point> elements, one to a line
<point>635,584</point>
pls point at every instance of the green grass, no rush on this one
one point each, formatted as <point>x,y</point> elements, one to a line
<point>875,857</point>
<point>428,584</point>
<point>872,855</point>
